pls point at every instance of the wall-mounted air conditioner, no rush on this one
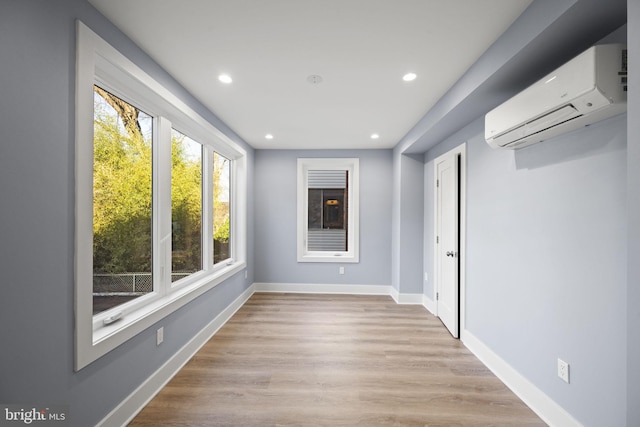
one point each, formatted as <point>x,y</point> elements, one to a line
<point>589,88</point>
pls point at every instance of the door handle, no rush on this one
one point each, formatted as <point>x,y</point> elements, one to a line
<point>451,253</point>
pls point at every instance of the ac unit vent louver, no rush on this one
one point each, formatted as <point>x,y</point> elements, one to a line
<point>583,91</point>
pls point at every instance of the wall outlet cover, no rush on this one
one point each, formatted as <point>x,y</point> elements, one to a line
<point>563,370</point>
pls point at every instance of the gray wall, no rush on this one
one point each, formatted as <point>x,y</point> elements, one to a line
<point>546,264</point>
<point>547,261</point>
<point>275,248</point>
<point>37,78</point>
<point>546,240</point>
<point>550,228</point>
<point>428,232</point>
<point>633,241</point>
<point>408,223</point>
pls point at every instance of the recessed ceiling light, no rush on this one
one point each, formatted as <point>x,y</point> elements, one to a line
<point>375,136</point>
<point>409,77</point>
<point>225,78</point>
<point>268,136</point>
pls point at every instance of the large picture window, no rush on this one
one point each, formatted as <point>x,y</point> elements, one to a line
<point>160,201</point>
<point>328,210</point>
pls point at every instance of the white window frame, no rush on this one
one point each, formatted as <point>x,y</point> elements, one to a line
<point>352,165</point>
<point>99,63</point>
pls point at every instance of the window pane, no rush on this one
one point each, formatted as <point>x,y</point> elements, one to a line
<point>186,206</point>
<point>327,210</point>
<point>221,192</point>
<point>315,208</point>
<point>122,220</point>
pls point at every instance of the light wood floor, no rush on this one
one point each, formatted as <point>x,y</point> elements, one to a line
<point>334,360</point>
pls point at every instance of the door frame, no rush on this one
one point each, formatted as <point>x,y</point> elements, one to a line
<point>461,151</point>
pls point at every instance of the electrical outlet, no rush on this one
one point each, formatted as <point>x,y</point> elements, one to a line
<point>160,336</point>
<point>563,370</point>
<point>426,276</point>
<point>341,270</point>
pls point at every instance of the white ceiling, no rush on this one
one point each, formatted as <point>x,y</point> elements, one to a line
<point>360,48</point>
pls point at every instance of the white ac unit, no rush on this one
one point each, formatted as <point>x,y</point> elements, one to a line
<point>589,88</point>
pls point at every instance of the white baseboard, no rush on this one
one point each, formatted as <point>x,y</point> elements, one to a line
<point>429,304</point>
<point>405,298</point>
<point>312,288</point>
<point>547,409</point>
<point>415,299</point>
<point>122,414</point>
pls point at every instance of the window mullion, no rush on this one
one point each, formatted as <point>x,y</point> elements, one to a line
<point>162,206</point>
<point>238,209</point>
<point>353,208</point>
<point>207,208</point>
<point>234,245</point>
<point>303,196</point>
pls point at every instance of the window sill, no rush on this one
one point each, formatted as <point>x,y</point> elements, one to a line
<point>110,336</point>
<point>338,257</point>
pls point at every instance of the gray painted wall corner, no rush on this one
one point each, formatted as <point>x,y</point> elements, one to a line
<point>276,220</point>
<point>633,190</point>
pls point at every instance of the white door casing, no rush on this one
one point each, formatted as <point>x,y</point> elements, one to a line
<point>447,242</point>
<point>449,198</point>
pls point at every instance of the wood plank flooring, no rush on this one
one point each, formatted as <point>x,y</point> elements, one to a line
<point>334,360</point>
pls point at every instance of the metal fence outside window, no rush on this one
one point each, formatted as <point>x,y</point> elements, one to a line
<point>127,283</point>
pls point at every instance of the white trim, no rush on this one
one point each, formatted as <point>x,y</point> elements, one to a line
<point>429,304</point>
<point>312,288</point>
<point>122,414</point>
<point>547,409</point>
<point>349,289</point>
<point>395,294</point>
<point>413,299</point>
<point>462,250</point>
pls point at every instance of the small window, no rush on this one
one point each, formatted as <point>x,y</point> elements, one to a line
<point>328,210</point>
<point>221,206</point>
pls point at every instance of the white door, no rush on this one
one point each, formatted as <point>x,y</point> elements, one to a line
<point>447,242</point>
